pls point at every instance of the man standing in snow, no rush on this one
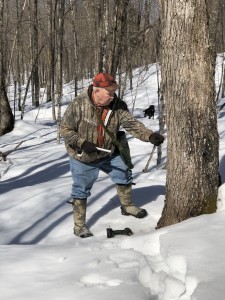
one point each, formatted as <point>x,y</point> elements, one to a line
<point>92,121</point>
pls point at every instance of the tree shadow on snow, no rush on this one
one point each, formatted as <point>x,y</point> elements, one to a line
<point>38,224</point>
<point>140,196</point>
<point>33,176</point>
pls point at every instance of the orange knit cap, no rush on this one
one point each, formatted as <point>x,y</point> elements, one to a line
<point>104,80</point>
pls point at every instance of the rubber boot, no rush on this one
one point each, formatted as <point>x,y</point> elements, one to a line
<point>127,207</point>
<point>79,215</point>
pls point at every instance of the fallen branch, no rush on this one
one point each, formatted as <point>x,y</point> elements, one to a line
<point>148,162</point>
<point>3,155</point>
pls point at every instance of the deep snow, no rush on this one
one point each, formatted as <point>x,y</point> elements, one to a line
<point>40,257</point>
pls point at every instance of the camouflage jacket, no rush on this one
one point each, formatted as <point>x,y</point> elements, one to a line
<point>80,122</point>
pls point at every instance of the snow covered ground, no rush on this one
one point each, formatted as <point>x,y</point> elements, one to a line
<point>40,257</point>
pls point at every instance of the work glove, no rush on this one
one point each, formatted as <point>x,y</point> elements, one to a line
<point>89,147</point>
<point>156,139</point>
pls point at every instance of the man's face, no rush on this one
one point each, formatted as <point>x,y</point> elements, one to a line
<point>103,96</point>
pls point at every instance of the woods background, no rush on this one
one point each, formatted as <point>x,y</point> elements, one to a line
<point>48,43</point>
<point>45,44</point>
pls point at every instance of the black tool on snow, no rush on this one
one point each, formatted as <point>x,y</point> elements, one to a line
<point>111,233</point>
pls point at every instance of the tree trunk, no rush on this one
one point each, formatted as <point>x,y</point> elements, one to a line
<point>35,77</point>
<point>103,33</point>
<point>223,82</point>
<point>49,52</point>
<point>60,64</point>
<point>120,24</point>
<point>75,53</point>
<point>18,54</point>
<point>6,116</point>
<point>188,67</point>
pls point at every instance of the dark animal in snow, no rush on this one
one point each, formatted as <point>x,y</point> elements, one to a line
<point>150,111</point>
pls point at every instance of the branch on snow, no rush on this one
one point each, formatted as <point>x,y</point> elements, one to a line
<point>3,155</point>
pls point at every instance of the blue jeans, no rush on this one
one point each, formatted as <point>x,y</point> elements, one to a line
<point>85,174</point>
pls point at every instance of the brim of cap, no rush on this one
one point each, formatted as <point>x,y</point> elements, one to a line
<point>105,84</point>
<point>113,86</point>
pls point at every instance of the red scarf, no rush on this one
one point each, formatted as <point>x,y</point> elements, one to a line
<point>100,139</point>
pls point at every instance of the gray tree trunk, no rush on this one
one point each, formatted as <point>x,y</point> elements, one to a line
<point>6,116</point>
<point>188,67</point>
<point>35,77</point>
<point>75,53</point>
<point>59,87</point>
<point>119,30</point>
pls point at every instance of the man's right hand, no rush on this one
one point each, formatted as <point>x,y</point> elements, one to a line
<point>89,147</point>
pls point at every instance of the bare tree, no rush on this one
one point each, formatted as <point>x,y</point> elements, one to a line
<point>51,53</point>
<point>61,8</point>
<point>6,116</point>
<point>222,15</point>
<point>188,67</point>
<point>109,41</point>
<point>120,24</point>
<point>75,44</point>
<point>18,54</point>
<point>34,53</point>
<point>103,33</point>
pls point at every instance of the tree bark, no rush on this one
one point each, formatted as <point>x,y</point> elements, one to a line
<point>6,116</point>
<point>120,24</point>
<point>188,67</point>
<point>18,54</point>
<point>35,77</point>
<point>104,27</point>
<point>75,50</point>
<point>59,88</point>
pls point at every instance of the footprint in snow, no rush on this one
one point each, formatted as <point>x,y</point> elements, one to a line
<point>95,279</point>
